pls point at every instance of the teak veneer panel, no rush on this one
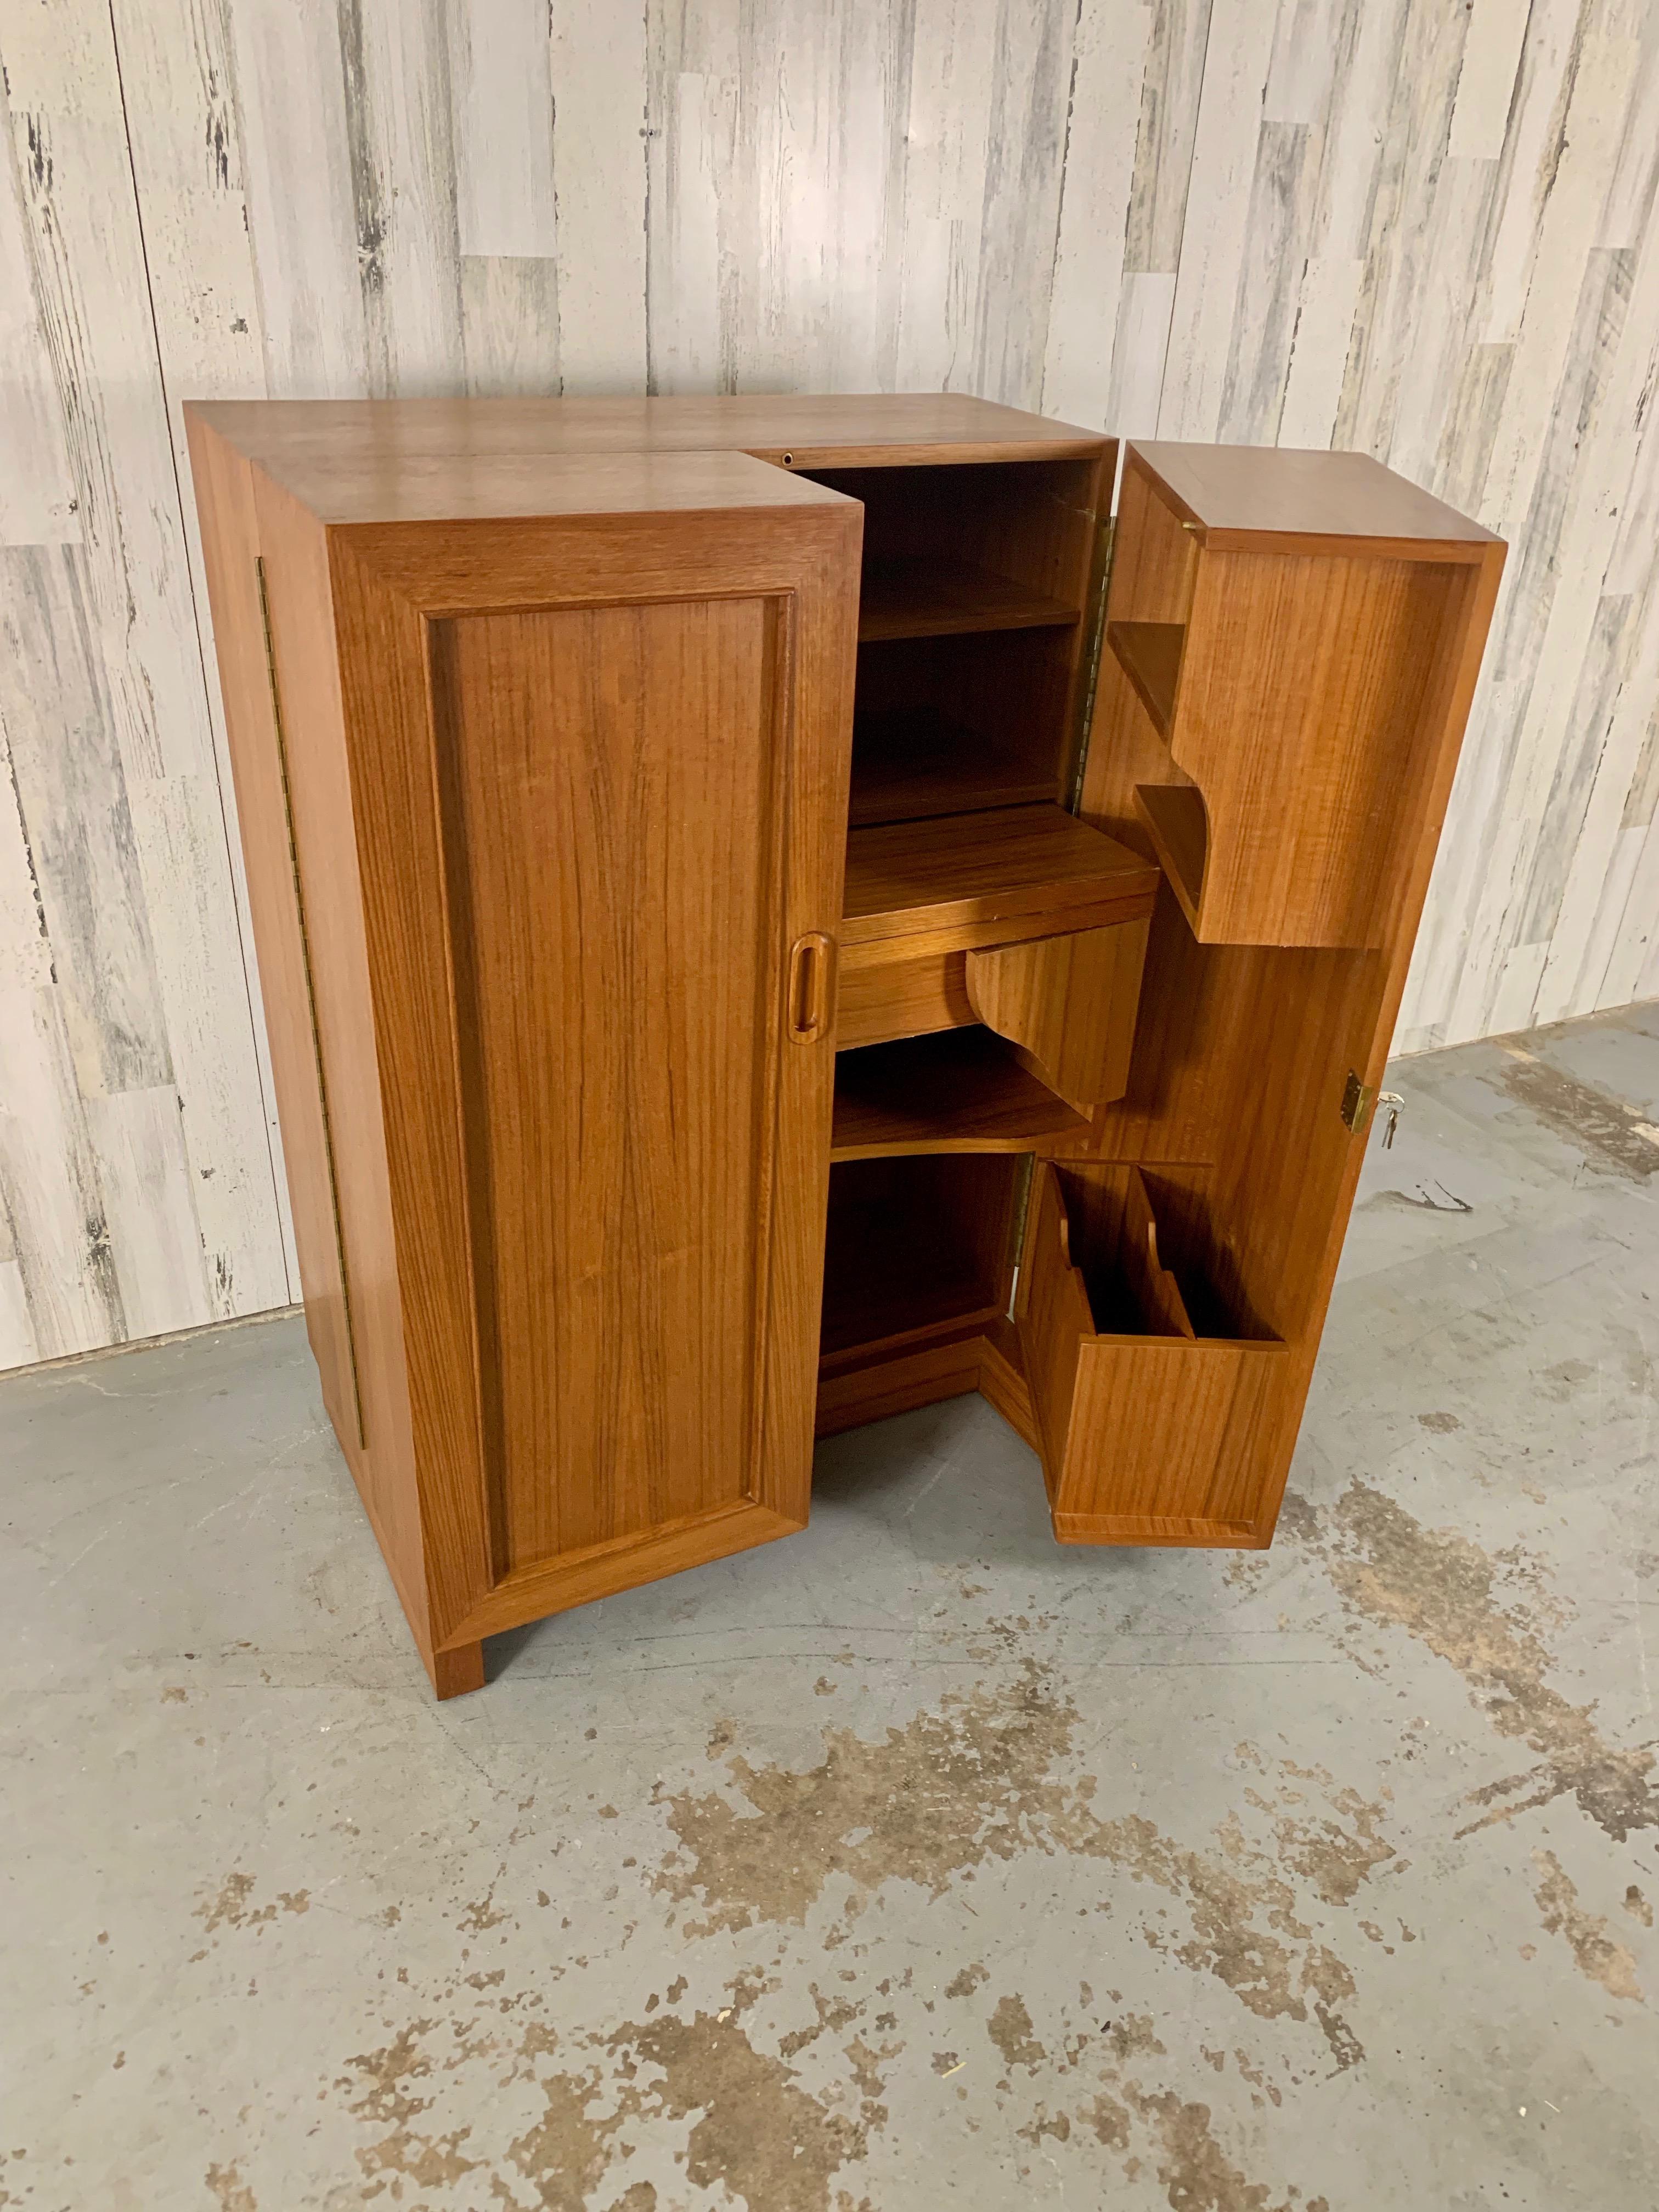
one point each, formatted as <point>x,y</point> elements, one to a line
<point>345,1209</point>
<point>470,1094</point>
<point>607,1006</point>
<point>627,684</point>
<point>1006,864</point>
<point>1174,819</point>
<point>964,1091</point>
<point>1070,1002</point>
<point>1149,1433</point>
<point>915,1247</point>
<point>883,999</point>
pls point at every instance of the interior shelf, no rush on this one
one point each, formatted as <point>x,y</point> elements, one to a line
<point>1008,864</point>
<point>908,766</point>
<point>1175,816</point>
<point>933,597</point>
<point>1150,655</point>
<point>963,1090</point>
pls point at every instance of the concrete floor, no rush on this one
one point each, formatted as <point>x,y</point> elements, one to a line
<point>913,1862</point>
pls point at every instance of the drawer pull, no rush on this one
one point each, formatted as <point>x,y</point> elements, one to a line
<point>811,966</point>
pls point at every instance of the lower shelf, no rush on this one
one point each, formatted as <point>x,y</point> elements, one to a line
<point>907,767</point>
<point>959,1090</point>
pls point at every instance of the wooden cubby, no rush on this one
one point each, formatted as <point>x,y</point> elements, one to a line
<point>1137,1330</point>
<point>695,933</point>
<point>917,1245</point>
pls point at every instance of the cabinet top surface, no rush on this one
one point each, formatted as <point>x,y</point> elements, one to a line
<point>371,461</point>
<point>1263,493</point>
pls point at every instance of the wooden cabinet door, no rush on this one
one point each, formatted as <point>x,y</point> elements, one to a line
<point>599,767</point>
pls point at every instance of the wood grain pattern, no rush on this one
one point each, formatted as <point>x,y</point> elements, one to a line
<point>1425,236</point>
<point>1070,1002</point>
<point>1150,1434</point>
<point>247,520</point>
<point>908,997</point>
<point>930,878</point>
<point>918,1247</point>
<point>1150,655</point>
<point>965,1092</point>
<point>617,1082</point>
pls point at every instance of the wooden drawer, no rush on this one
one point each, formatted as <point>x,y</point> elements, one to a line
<point>1154,1390</point>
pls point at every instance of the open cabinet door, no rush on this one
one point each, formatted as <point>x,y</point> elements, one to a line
<point>598,769</point>
<point>1150,1432</point>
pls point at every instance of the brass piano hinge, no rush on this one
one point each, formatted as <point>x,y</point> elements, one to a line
<point>1094,639</point>
<point>311,1006</point>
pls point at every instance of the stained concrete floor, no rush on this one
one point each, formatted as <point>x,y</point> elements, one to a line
<point>914,1861</point>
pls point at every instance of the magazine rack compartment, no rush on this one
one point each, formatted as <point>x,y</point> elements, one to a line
<point>1152,1381</point>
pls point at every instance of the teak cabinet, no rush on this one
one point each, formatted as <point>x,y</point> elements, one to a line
<point>704,950</point>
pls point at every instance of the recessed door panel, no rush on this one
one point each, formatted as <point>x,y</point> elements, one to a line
<point>613,786</point>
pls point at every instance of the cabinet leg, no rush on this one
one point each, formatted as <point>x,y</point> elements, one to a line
<point>454,1673</point>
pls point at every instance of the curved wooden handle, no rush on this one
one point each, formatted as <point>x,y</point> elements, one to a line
<point>811,969</point>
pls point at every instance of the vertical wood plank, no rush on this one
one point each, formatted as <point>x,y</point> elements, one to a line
<point>144,1174</point>
<point>1109,64</point>
<point>18,1345</point>
<point>37,496</point>
<point>599,167</point>
<point>501,82</point>
<point>186,141</point>
<point>1218,198</point>
<point>110,768</point>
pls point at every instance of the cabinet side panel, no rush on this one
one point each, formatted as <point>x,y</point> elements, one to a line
<point>611,781</point>
<point>351,1187</point>
<point>224,496</point>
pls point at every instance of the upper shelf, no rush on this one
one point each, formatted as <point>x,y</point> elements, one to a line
<point>941,598</point>
<point>1150,655</point>
<point>964,876</point>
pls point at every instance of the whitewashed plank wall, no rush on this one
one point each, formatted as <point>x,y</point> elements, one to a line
<point>1423,227</point>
